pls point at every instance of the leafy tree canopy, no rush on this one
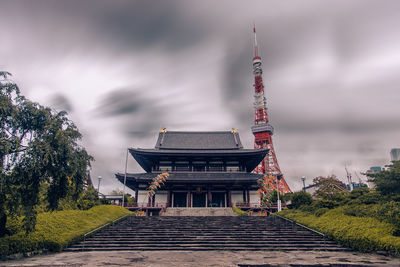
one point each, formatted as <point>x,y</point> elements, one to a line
<point>128,199</point>
<point>388,181</point>
<point>36,145</point>
<point>301,198</point>
<point>117,192</point>
<point>328,187</point>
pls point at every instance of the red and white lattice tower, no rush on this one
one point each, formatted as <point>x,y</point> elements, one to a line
<point>261,129</point>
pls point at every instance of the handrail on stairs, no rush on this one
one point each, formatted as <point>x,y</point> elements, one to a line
<point>101,227</point>
<point>303,226</point>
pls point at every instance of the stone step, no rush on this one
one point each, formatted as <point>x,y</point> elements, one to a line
<point>199,248</point>
<point>227,231</point>
<point>205,237</point>
<point>210,237</point>
<point>204,233</point>
<point>209,240</point>
<point>211,243</point>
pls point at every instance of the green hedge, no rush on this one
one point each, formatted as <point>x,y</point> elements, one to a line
<point>360,233</point>
<point>56,230</point>
<point>239,212</point>
<point>389,211</point>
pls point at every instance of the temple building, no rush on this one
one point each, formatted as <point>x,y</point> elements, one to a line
<point>207,169</point>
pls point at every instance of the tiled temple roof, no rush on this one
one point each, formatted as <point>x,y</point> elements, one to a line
<point>223,140</point>
<point>190,145</point>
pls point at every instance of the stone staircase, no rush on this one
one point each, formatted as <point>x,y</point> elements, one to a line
<point>199,212</point>
<point>205,233</point>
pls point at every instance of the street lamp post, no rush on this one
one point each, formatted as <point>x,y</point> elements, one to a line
<point>98,186</point>
<point>279,177</point>
<point>303,178</point>
<point>126,168</point>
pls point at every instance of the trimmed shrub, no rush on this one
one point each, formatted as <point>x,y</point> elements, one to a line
<point>367,197</point>
<point>320,211</point>
<point>55,231</point>
<point>361,233</point>
<point>301,198</point>
<point>239,212</point>
<point>389,212</point>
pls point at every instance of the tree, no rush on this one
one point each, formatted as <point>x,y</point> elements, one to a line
<point>301,198</point>
<point>328,187</point>
<point>388,181</point>
<point>283,197</point>
<point>116,192</point>
<point>88,198</point>
<point>128,198</point>
<point>36,145</point>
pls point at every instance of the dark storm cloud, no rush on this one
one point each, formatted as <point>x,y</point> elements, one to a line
<point>121,102</point>
<point>135,112</point>
<point>237,69</point>
<point>61,102</point>
<point>151,24</point>
<point>120,26</point>
<point>341,125</point>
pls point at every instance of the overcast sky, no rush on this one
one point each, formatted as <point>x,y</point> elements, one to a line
<point>124,69</point>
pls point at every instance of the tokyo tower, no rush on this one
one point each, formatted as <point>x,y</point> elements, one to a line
<point>261,129</point>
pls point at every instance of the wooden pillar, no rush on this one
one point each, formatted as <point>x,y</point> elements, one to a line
<point>168,198</point>
<point>189,198</point>
<point>136,195</point>
<point>248,196</point>
<point>229,198</point>
<point>153,200</point>
<point>148,201</point>
<point>244,196</point>
<point>209,197</point>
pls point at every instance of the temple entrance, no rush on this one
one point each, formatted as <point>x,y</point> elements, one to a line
<point>218,200</point>
<point>180,200</point>
<point>199,199</point>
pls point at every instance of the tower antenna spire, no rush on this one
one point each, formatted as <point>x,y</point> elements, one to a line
<point>261,129</point>
<point>255,41</point>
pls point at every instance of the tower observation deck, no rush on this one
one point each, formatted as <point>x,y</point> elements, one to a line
<point>261,129</point>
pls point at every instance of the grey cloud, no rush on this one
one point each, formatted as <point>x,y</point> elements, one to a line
<point>61,102</point>
<point>147,25</point>
<point>297,125</point>
<point>121,102</point>
<point>118,26</point>
<point>133,109</point>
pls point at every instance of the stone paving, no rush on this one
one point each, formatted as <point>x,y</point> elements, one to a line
<point>206,258</point>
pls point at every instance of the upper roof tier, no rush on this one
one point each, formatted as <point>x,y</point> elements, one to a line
<point>223,140</point>
<point>184,147</point>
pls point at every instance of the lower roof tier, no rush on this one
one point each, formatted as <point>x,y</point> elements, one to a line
<point>148,159</point>
<point>198,178</point>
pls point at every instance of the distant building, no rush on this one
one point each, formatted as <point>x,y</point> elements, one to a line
<point>395,154</point>
<point>310,189</point>
<point>355,185</point>
<point>375,169</point>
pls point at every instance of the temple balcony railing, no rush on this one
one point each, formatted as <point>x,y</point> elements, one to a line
<point>146,205</point>
<point>204,171</point>
<point>247,205</point>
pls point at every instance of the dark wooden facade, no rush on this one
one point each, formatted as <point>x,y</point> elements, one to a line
<point>206,169</point>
